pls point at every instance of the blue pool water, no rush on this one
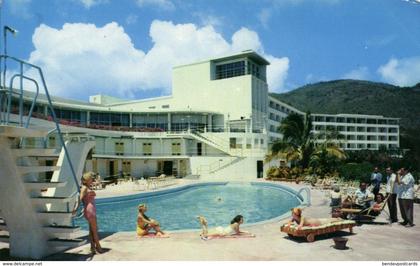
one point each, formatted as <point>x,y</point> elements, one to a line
<point>177,210</point>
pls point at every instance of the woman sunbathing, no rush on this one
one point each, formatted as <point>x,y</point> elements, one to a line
<point>230,230</point>
<point>303,221</point>
<point>145,224</point>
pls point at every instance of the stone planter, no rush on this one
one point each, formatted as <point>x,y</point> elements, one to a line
<point>340,243</point>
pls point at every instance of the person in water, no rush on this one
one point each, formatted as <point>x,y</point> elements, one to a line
<point>230,230</point>
<point>306,221</point>
<point>145,224</point>
<point>87,196</point>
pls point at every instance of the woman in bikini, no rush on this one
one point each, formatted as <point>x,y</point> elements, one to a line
<point>306,221</point>
<point>87,196</point>
<point>144,223</point>
<point>230,230</point>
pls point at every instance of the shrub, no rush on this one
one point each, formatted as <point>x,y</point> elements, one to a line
<point>356,171</point>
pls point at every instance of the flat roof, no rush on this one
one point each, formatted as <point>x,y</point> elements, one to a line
<point>246,53</point>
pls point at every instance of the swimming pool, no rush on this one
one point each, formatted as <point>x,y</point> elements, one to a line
<point>176,209</point>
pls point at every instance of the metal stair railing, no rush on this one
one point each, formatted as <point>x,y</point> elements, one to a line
<point>20,93</point>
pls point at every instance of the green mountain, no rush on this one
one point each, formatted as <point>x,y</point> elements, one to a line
<point>358,97</point>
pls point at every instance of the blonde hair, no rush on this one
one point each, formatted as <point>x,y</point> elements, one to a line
<point>142,205</point>
<point>86,176</point>
<point>297,211</point>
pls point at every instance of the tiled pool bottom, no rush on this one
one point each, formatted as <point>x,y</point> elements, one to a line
<point>177,209</point>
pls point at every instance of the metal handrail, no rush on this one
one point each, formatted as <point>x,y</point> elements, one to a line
<point>306,200</point>
<point>41,75</point>
<point>20,103</point>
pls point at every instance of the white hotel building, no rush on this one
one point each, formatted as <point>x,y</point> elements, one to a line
<point>218,122</point>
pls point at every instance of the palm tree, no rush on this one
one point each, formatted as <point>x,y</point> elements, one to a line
<point>297,144</point>
<point>300,145</point>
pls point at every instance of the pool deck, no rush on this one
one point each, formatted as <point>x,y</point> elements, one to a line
<point>377,242</point>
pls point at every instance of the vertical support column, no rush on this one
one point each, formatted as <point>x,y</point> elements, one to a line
<point>178,167</point>
<point>88,118</point>
<point>169,121</point>
<point>131,119</point>
<point>46,110</point>
<point>210,123</point>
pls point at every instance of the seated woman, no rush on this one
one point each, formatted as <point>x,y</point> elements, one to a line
<point>306,221</point>
<point>378,205</point>
<point>144,223</point>
<point>230,230</point>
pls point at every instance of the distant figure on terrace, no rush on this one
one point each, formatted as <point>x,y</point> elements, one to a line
<point>87,196</point>
<point>392,192</point>
<point>228,231</point>
<point>405,181</point>
<point>376,179</point>
<point>306,221</point>
<point>145,224</point>
<point>335,197</point>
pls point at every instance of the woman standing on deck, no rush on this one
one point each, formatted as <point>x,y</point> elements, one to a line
<point>87,196</point>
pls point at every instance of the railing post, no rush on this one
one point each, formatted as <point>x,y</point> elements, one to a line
<point>21,96</point>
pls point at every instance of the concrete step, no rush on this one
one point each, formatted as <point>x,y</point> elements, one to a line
<point>63,231</point>
<point>37,169</point>
<point>66,243</point>
<point>44,185</point>
<point>54,215</point>
<point>3,225</point>
<point>35,152</point>
<point>4,239</point>
<point>46,199</point>
<point>17,132</point>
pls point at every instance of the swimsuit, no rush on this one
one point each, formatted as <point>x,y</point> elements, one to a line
<point>90,208</point>
<point>141,231</point>
<point>228,230</point>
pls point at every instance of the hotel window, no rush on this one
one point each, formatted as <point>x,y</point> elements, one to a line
<point>176,148</point>
<point>230,70</point>
<point>361,120</point>
<point>119,148</point>
<point>351,120</point>
<point>147,149</point>
<point>126,167</point>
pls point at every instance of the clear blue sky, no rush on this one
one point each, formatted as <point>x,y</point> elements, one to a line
<point>126,48</point>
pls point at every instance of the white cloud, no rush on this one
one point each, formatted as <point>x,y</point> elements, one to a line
<point>264,16</point>
<point>131,19</point>
<point>208,19</point>
<point>90,3</point>
<point>162,4</point>
<point>82,59</point>
<point>20,8</point>
<point>245,39</point>
<point>401,72</point>
<point>361,73</point>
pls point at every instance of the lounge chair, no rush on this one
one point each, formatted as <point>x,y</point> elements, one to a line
<point>310,232</point>
<point>364,215</point>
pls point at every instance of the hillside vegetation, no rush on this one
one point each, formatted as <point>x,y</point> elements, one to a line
<point>358,97</point>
